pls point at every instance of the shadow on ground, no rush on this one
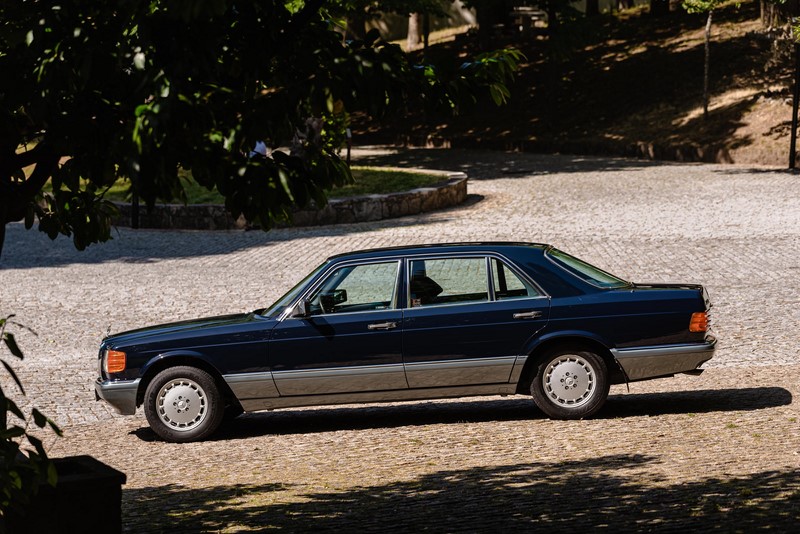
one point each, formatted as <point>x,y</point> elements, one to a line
<point>619,492</point>
<point>25,249</point>
<point>335,419</point>
<point>494,164</point>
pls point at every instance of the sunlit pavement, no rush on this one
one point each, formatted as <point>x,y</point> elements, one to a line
<point>720,449</point>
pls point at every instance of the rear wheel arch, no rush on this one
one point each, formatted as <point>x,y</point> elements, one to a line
<point>573,342</point>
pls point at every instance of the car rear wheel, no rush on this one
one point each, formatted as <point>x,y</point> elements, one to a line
<point>570,383</point>
<point>183,404</point>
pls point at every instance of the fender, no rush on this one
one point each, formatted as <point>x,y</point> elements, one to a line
<point>180,353</point>
<point>538,341</point>
<point>522,366</point>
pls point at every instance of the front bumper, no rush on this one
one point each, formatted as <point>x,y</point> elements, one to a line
<point>121,394</point>
<point>641,363</point>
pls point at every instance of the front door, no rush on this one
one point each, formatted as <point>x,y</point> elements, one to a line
<point>349,342</point>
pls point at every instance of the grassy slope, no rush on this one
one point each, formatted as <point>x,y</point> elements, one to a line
<point>634,85</point>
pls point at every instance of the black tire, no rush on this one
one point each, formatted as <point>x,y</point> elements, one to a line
<point>183,404</point>
<point>570,383</point>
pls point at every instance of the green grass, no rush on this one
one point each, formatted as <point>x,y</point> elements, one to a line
<point>368,181</point>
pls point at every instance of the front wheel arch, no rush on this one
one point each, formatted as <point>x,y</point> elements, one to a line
<point>189,361</point>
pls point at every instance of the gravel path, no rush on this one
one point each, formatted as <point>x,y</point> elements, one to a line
<point>717,450</point>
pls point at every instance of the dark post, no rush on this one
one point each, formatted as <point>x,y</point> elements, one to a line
<point>349,134</point>
<point>795,97</point>
<point>134,207</point>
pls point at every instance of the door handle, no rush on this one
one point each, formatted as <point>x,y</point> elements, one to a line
<point>528,315</point>
<point>382,326</point>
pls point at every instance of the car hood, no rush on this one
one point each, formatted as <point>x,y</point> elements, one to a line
<point>177,328</point>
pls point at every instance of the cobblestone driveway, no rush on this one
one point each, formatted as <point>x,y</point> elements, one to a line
<point>720,450</point>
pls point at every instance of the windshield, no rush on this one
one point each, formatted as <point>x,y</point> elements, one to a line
<point>586,272</point>
<point>290,296</point>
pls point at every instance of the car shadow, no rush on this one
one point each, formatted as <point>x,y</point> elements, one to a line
<point>377,416</point>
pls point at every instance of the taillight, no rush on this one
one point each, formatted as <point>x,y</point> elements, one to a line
<point>698,322</point>
<point>115,361</point>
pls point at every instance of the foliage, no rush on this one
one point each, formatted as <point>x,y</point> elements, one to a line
<point>373,8</point>
<point>143,88</point>
<point>701,6</point>
<point>21,471</point>
<point>366,181</point>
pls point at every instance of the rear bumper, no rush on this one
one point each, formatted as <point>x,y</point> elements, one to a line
<point>121,394</point>
<point>651,362</point>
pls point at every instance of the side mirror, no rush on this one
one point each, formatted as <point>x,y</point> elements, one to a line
<point>300,309</point>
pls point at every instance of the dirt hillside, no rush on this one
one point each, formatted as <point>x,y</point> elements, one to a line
<point>630,84</point>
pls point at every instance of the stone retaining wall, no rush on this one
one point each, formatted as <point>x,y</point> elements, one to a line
<point>451,191</point>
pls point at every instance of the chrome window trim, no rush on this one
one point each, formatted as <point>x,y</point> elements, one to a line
<point>489,256</point>
<point>405,259</point>
<point>472,303</point>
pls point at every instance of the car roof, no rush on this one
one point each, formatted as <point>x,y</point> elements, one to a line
<point>437,248</point>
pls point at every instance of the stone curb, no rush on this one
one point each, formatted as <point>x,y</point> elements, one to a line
<point>451,191</point>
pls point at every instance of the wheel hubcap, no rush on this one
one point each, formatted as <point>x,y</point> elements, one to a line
<point>569,381</point>
<point>182,404</point>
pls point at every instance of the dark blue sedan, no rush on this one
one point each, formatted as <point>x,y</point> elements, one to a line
<point>412,323</point>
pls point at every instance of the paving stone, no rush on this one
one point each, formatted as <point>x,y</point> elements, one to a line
<point>718,450</point>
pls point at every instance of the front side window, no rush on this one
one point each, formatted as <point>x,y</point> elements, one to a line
<point>448,281</point>
<point>356,288</point>
<point>507,285</point>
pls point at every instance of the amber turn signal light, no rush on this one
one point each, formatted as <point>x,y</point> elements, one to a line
<point>115,361</point>
<point>699,322</point>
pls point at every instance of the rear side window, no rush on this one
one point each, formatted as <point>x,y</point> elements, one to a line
<point>507,285</point>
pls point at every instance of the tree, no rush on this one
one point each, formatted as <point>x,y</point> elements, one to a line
<point>140,88</point>
<point>707,7</point>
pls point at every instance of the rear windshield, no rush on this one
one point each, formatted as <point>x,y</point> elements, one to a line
<point>586,272</point>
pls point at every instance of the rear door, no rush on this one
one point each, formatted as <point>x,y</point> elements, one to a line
<point>467,320</point>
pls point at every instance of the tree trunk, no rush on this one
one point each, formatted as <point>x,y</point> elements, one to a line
<point>770,15</point>
<point>2,238</point>
<point>705,66</point>
<point>592,8</point>
<point>659,8</point>
<point>414,25</point>
<point>426,30</point>
<point>488,14</point>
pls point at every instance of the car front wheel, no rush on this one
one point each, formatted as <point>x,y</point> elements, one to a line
<point>570,384</point>
<point>183,404</point>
